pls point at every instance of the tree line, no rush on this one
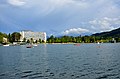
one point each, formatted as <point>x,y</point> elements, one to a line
<point>81,39</point>
<point>15,37</point>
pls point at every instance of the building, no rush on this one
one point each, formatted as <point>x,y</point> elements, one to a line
<point>5,40</point>
<point>27,34</point>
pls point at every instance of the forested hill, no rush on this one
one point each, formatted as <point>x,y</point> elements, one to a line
<point>113,33</point>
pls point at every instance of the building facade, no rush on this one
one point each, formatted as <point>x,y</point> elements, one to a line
<point>27,34</point>
<point>5,40</point>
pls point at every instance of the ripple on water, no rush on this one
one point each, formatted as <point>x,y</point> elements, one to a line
<point>31,74</point>
<point>29,71</point>
<point>118,77</point>
<point>100,72</point>
<point>62,74</point>
<point>77,76</point>
<point>51,74</point>
<point>110,69</point>
<point>83,75</point>
<point>2,74</point>
<point>115,65</point>
<point>106,76</point>
<point>100,77</point>
<point>47,70</point>
<point>72,75</point>
<point>86,62</point>
<point>39,76</point>
<point>81,70</point>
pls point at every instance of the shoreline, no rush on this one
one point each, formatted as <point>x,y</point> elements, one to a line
<point>55,43</point>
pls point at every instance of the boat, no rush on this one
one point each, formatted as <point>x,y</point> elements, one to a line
<point>77,44</point>
<point>35,45</point>
<point>6,45</point>
<point>30,46</point>
<point>98,42</point>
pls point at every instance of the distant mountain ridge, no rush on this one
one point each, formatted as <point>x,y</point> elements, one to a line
<point>113,33</point>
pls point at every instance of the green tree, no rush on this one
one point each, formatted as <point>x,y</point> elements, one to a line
<point>9,37</point>
<point>40,41</point>
<point>2,35</point>
<point>43,41</point>
<point>51,39</point>
<point>1,39</point>
<point>15,36</point>
<point>28,41</point>
<point>24,39</point>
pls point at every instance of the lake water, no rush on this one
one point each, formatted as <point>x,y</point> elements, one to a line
<point>61,61</point>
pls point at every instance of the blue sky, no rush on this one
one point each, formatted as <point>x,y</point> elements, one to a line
<point>59,17</point>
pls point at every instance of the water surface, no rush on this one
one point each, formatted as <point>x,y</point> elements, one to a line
<point>61,61</point>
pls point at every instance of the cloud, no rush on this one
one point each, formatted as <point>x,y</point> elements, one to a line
<point>16,2</point>
<point>75,31</point>
<point>45,7</point>
<point>55,3</point>
<point>105,24</point>
<point>61,14</point>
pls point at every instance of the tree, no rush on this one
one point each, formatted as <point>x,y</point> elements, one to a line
<point>40,40</point>
<point>24,39</point>
<point>9,37</point>
<point>1,39</point>
<point>83,39</point>
<point>2,35</point>
<point>31,40</point>
<point>43,41</point>
<point>15,36</point>
<point>28,41</point>
<point>51,39</point>
<point>36,41</point>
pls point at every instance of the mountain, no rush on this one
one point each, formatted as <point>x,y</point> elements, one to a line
<point>113,33</point>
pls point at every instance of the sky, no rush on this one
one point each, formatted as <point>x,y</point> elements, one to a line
<point>59,17</point>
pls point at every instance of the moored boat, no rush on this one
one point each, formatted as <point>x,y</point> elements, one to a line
<point>35,45</point>
<point>6,45</point>
<point>77,44</point>
<point>98,42</point>
<point>30,46</point>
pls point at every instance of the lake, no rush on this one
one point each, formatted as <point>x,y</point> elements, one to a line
<point>61,61</point>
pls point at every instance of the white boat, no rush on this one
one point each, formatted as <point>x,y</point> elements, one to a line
<point>35,45</point>
<point>98,43</point>
<point>6,45</point>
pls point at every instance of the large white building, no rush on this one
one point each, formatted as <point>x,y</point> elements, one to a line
<point>27,34</point>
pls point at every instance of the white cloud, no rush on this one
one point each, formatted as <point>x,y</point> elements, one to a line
<point>105,24</point>
<point>45,7</point>
<point>75,31</point>
<point>62,14</point>
<point>16,2</point>
<point>56,3</point>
